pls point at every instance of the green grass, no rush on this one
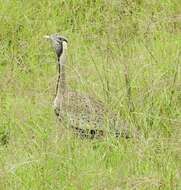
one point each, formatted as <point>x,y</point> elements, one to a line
<point>125,53</point>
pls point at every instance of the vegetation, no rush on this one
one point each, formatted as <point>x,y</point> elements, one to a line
<point>125,53</point>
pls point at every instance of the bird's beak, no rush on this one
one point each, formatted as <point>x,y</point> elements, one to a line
<point>46,36</point>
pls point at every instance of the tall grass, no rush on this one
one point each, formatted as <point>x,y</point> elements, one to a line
<point>125,53</point>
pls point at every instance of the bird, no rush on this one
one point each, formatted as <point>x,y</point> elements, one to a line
<point>87,116</point>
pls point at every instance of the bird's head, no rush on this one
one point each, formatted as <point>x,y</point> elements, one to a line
<point>59,43</point>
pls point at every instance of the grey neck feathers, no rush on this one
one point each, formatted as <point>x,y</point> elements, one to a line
<point>61,84</point>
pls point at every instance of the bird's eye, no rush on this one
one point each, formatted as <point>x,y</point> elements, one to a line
<point>57,42</point>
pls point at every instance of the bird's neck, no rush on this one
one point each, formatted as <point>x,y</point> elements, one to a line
<point>61,67</point>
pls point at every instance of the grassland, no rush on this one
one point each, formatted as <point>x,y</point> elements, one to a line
<point>124,53</point>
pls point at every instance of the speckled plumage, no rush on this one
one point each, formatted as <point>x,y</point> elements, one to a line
<point>89,116</point>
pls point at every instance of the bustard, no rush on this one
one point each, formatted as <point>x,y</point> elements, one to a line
<point>89,117</point>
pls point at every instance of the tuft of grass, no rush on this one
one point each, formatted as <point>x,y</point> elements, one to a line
<point>125,53</point>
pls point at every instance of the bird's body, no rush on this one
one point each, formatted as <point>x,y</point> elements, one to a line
<point>89,116</point>
<point>81,112</point>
